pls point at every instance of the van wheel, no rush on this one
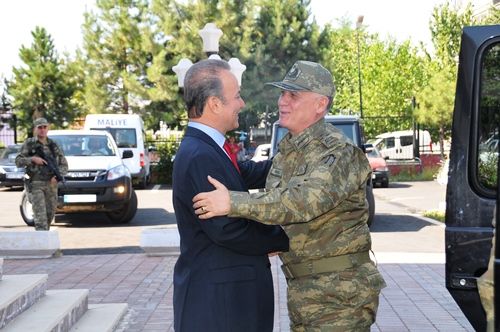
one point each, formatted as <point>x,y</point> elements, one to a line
<point>385,184</point>
<point>125,214</point>
<point>26,210</point>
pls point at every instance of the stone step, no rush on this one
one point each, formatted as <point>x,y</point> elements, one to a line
<point>18,293</point>
<point>29,244</point>
<point>101,317</point>
<point>58,310</point>
<point>160,241</point>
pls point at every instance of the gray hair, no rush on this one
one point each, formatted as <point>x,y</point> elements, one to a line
<point>202,81</point>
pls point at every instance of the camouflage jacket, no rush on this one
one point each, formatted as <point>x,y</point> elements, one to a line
<point>40,172</point>
<point>316,189</point>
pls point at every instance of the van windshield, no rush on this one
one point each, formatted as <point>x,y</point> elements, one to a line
<point>83,145</point>
<point>124,137</point>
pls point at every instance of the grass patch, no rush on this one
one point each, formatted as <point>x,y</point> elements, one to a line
<point>435,214</point>
<point>427,174</point>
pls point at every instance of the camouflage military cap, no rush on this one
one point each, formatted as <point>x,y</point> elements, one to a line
<point>307,76</point>
<point>40,122</point>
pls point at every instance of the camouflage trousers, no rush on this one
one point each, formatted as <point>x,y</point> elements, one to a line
<point>43,198</point>
<point>486,289</point>
<point>339,301</point>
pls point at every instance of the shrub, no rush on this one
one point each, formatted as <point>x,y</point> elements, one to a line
<point>435,214</point>
<point>488,163</point>
<point>427,174</point>
<point>163,169</point>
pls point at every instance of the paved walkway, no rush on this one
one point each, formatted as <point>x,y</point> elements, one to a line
<point>415,298</point>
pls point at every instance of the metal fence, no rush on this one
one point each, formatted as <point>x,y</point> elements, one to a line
<point>7,135</point>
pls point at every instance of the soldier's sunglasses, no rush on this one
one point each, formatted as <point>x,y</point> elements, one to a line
<point>42,127</point>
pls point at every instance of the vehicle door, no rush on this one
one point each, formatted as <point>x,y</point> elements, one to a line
<point>388,147</point>
<point>472,190</point>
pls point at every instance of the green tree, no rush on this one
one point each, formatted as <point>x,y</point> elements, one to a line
<point>493,16</point>
<point>446,26</point>
<point>114,59</point>
<point>284,32</point>
<point>175,36</point>
<point>42,87</point>
<point>436,100</point>
<point>436,103</point>
<point>391,73</point>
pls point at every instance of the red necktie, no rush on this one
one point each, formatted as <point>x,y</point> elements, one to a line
<point>232,156</point>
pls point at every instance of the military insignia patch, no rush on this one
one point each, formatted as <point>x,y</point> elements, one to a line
<point>329,160</point>
<point>293,73</point>
<point>276,172</point>
<point>301,170</point>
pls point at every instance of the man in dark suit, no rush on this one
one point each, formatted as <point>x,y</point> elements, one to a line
<point>222,279</point>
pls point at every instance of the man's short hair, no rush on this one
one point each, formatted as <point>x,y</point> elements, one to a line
<point>202,81</point>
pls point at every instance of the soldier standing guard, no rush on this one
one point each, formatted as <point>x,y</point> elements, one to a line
<point>41,186</point>
<point>316,189</point>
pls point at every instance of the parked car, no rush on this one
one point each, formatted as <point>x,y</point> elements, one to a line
<point>262,152</point>
<point>352,128</point>
<point>96,181</point>
<point>380,171</point>
<point>10,174</point>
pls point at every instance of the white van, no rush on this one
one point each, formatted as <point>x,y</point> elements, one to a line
<point>399,144</point>
<point>128,132</point>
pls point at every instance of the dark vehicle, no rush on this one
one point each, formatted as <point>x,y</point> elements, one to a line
<point>10,174</point>
<point>472,191</point>
<point>97,179</point>
<point>380,171</point>
<point>351,127</point>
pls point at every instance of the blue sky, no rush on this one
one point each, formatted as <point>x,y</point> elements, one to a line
<point>63,19</point>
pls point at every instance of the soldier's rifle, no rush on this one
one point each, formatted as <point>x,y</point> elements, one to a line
<point>51,164</point>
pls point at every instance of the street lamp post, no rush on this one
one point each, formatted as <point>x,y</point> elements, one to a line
<point>210,35</point>
<point>359,23</point>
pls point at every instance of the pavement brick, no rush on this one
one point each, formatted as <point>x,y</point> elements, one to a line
<point>415,299</point>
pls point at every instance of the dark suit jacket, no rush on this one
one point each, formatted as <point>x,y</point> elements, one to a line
<point>222,279</point>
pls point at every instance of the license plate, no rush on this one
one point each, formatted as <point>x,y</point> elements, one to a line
<point>78,174</point>
<point>17,175</point>
<point>79,198</point>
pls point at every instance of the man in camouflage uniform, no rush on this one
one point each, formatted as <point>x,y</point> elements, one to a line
<point>316,190</point>
<point>42,184</point>
<point>486,284</point>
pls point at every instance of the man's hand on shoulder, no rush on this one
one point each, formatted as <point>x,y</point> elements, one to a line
<point>214,203</point>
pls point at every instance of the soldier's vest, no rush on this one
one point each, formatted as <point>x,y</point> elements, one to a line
<point>40,172</point>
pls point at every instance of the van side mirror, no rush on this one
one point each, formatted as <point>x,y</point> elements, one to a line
<point>368,147</point>
<point>386,157</point>
<point>127,154</point>
<point>265,153</point>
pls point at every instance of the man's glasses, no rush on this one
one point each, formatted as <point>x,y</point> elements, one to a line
<point>42,127</point>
